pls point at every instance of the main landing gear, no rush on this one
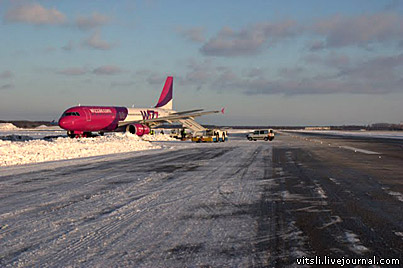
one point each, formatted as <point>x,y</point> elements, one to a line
<point>73,134</point>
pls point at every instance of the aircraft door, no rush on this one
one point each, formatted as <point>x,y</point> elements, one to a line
<point>87,115</point>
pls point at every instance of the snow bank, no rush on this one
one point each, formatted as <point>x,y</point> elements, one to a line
<point>158,137</point>
<point>236,131</point>
<point>33,151</point>
<point>366,134</point>
<point>7,126</point>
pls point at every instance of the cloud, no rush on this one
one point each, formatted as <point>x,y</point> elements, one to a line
<point>6,74</point>
<point>34,14</point>
<point>379,75</point>
<point>339,31</point>
<point>392,5</point>
<point>49,50</point>
<point>155,79</point>
<point>107,70</point>
<point>199,72</point>
<point>102,70</point>
<point>291,72</point>
<point>382,70</point>
<point>255,72</point>
<point>195,34</point>
<point>332,60</point>
<point>6,87</point>
<point>73,71</point>
<point>95,20</point>
<point>69,46</point>
<point>317,45</point>
<point>250,40</point>
<point>95,42</point>
<point>331,32</point>
<point>122,83</point>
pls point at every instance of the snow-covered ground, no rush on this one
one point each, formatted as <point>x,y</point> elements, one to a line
<point>367,134</point>
<point>7,126</point>
<point>33,151</point>
<point>8,129</point>
<point>24,146</point>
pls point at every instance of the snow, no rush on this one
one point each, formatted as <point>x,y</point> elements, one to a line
<point>359,150</point>
<point>355,244</point>
<point>7,126</point>
<point>367,134</point>
<point>397,195</point>
<point>236,131</point>
<point>158,137</point>
<point>43,144</point>
<point>35,133</point>
<point>39,150</point>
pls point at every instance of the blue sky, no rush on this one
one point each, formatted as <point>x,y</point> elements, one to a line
<point>266,62</point>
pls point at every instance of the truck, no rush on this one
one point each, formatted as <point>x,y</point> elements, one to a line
<point>210,135</point>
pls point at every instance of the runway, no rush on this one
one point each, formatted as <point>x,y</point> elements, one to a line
<point>235,204</point>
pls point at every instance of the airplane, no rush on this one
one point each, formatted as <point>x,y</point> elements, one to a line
<point>81,121</point>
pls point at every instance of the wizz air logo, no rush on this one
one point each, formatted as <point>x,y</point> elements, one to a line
<point>149,114</point>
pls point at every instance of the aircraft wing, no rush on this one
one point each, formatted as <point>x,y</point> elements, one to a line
<point>175,117</point>
<point>178,116</point>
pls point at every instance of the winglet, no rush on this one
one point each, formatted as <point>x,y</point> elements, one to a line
<point>222,110</point>
<point>165,100</point>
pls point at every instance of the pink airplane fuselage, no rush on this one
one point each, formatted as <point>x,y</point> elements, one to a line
<point>81,119</point>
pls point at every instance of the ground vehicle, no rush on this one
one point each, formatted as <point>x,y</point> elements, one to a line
<point>210,135</point>
<point>175,133</point>
<point>261,134</point>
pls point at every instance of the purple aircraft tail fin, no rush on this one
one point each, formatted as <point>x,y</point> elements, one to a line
<point>165,100</point>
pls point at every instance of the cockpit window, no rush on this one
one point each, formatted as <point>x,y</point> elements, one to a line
<point>71,114</point>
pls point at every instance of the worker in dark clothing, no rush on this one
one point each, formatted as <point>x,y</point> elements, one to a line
<point>183,133</point>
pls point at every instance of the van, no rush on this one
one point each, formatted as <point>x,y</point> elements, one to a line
<point>261,134</point>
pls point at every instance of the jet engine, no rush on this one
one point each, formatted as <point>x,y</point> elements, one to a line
<point>138,129</point>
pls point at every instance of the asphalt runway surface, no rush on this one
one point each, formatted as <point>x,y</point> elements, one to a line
<point>234,204</point>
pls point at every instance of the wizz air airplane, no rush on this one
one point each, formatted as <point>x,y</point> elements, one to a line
<point>81,121</point>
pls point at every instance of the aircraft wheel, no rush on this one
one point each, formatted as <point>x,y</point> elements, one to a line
<point>71,134</point>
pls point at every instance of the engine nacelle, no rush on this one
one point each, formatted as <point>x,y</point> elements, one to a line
<point>138,129</point>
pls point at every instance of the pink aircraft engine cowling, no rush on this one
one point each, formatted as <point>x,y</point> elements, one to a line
<point>138,129</point>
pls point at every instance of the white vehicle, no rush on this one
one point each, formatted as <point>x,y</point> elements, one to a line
<point>261,134</point>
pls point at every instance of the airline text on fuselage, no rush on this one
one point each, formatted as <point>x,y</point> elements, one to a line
<point>100,111</point>
<point>149,114</point>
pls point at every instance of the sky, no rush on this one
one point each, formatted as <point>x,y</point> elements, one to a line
<point>267,62</point>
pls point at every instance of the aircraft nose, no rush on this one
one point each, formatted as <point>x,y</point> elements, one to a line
<point>65,123</point>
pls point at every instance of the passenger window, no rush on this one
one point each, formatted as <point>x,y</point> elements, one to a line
<point>265,132</point>
<point>262,132</point>
<point>256,132</point>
